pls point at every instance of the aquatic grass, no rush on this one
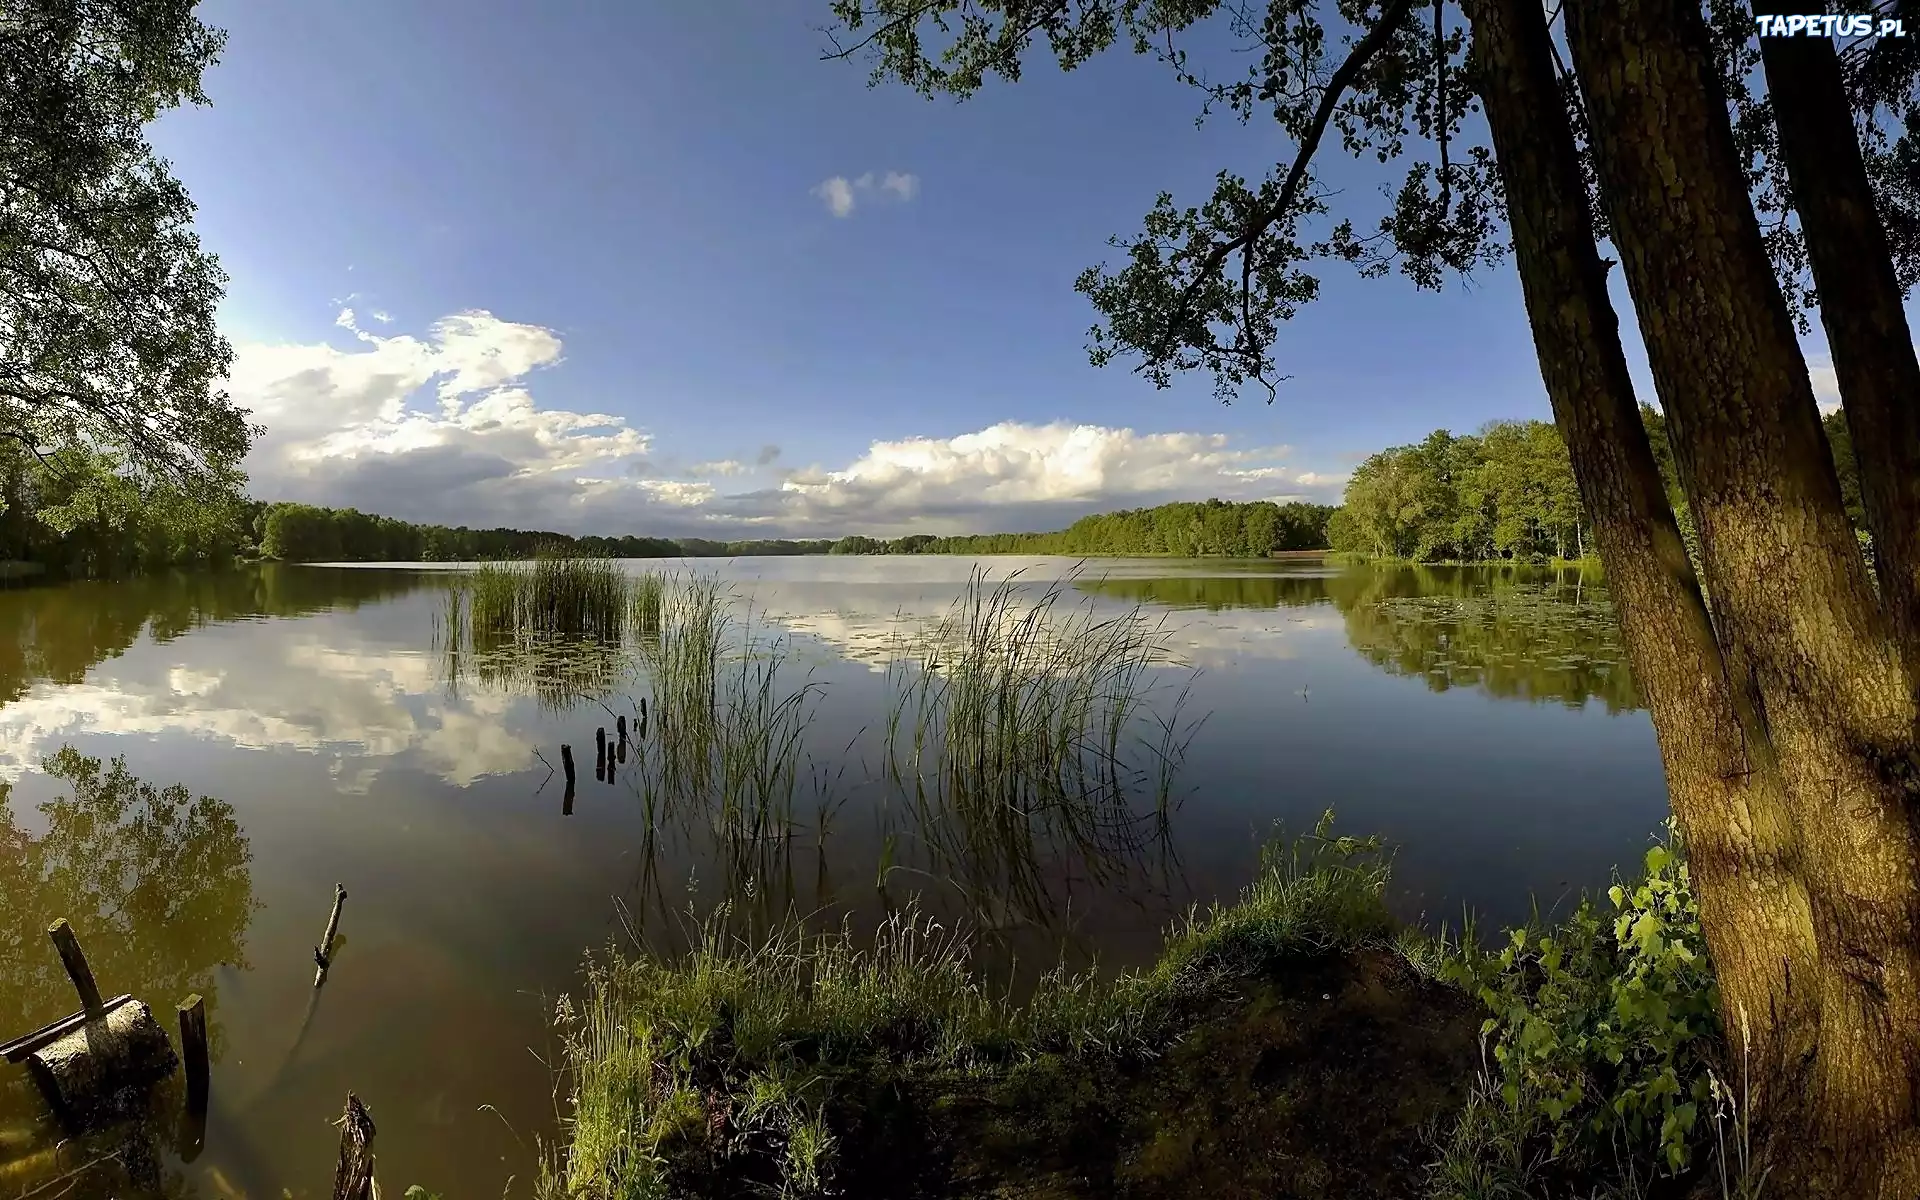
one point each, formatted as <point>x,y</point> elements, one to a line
<point>574,596</point>
<point>555,627</point>
<point>727,754</point>
<point>646,597</point>
<point>1017,724</point>
<point>741,1053</point>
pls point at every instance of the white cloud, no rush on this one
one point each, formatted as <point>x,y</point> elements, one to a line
<point>447,428</point>
<point>838,194</point>
<point>1826,385</point>
<point>842,195</point>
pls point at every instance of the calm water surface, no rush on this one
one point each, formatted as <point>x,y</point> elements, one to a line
<point>1482,720</point>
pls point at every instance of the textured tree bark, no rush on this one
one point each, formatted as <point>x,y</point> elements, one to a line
<point>1861,307</point>
<point>1793,604</point>
<point>1722,781</point>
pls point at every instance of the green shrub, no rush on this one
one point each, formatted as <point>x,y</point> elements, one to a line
<point>1602,1039</point>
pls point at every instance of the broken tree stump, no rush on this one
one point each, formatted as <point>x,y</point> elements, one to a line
<point>323,953</point>
<point>353,1175</point>
<point>620,727</point>
<point>102,1069</point>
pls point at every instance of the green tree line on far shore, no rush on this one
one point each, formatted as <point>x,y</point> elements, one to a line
<point>310,533</point>
<point>1202,529</point>
<point>1506,493</point>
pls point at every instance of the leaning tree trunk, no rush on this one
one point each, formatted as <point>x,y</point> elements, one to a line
<point>1792,600</point>
<point>1721,778</point>
<point>1861,306</point>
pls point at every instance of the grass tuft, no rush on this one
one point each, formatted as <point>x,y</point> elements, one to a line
<point>738,1051</point>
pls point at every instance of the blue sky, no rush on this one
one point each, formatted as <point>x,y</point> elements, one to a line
<point>632,206</point>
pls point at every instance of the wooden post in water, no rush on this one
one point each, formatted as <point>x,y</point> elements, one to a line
<point>193,1050</point>
<point>77,969</point>
<point>641,731</point>
<point>191,1135</point>
<point>620,726</point>
<point>353,1174</point>
<point>566,764</point>
<point>323,953</point>
<point>600,755</point>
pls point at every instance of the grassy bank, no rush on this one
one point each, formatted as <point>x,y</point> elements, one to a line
<point>1296,1042</point>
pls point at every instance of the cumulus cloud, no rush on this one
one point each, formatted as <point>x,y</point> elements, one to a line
<point>842,195</point>
<point>446,427</point>
<point>1021,476</point>
<point>837,193</point>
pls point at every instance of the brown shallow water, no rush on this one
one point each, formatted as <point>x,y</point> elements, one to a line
<point>1479,719</point>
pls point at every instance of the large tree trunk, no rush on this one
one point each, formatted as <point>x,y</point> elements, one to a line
<point>1861,307</point>
<point>1721,778</point>
<point>1792,601</point>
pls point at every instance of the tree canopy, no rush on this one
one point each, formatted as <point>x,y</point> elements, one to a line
<point>108,333</point>
<point>1506,492</point>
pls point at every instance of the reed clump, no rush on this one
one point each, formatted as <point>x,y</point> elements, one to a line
<point>1020,727</point>
<point>566,596</point>
<point>1018,701</point>
<point>647,596</point>
<point>753,1057</point>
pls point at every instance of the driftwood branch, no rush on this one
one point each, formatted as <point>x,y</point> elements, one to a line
<point>323,953</point>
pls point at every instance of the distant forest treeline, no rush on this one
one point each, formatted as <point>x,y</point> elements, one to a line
<point>75,513</point>
<point>1187,529</point>
<point>1505,493</point>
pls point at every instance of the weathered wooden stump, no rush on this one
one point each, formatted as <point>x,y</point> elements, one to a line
<point>353,1174</point>
<point>97,1064</point>
<point>620,727</point>
<point>102,1070</point>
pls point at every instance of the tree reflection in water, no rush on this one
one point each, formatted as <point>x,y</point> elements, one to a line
<point>1523,633</point>
<point>157,883</point>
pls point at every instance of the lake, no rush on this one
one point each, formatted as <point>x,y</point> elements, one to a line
<point>1482,720</point>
